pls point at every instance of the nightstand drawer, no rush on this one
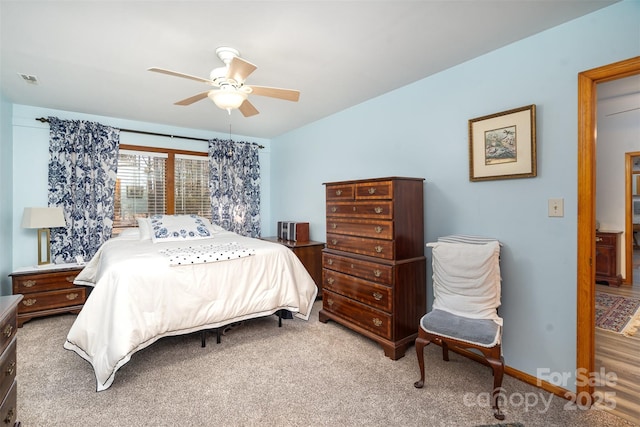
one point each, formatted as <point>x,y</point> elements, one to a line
<point>7,329</point>
<point>7,368</point>
<point>9,408</point>
<point>52,299</point>
<point>24,284</point>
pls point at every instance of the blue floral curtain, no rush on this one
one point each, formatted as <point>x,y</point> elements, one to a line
<point>234,184</point>
<point>83,161</point>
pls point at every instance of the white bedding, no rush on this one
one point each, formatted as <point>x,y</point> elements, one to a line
<point>138,297</point>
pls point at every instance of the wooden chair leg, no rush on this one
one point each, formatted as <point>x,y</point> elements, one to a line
<point>445,351</point>
<point>497,364</point>
<point>421,342</point>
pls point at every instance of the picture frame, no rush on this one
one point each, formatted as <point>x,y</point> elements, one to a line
<point>135,191</point>
<point>503,145</point>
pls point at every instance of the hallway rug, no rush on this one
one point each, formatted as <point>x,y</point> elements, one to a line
<point>617,313</point>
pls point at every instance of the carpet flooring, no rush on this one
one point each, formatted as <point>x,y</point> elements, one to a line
<point>302,374</point>
<point>617,314</point>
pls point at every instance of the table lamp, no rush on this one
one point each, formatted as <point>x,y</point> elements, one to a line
<point>43,219</point>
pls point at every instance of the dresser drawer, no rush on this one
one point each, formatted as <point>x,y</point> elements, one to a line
<point>24,284</point>
<point>361,227</point>
<point>367,270</point>
<point>366,317</point>
<point>340,192</point>
<point>369,293</point>
<point>7,329</point>
<point>9,407</point>
<point>7,368</point>
<point>372,247</point>
<point>606,239</point>
<point>52,299</point>
<point>374,190</point>
<point>378,210</point>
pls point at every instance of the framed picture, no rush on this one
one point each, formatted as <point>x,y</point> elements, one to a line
<point>503,145</point>
<point>135,191</point>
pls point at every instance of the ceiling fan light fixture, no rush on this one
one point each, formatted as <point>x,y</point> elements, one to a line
<point>228,98</point>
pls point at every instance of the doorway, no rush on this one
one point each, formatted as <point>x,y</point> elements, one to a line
<point>587,82</point>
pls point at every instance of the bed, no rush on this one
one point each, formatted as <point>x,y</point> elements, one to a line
<point>183,281</point>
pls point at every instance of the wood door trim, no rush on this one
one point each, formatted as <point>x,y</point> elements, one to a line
<point>587,81</point>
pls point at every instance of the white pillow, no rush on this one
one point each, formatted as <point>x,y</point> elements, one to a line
<point>171,228</point>
<point>128,233</point>
<point>212,227</point>
<point>466,279</point>
<point>145,228</point>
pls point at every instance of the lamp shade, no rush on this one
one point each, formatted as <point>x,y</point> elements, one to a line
<point>43,218</point>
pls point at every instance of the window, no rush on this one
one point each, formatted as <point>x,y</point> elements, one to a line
<point>154,181</point>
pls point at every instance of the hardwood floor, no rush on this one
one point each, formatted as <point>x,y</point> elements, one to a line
<point>619,354</point>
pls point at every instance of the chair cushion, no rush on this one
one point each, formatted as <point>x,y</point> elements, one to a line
<point>481,332</point>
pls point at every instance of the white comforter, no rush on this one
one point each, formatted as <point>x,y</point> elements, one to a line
<point>138,297</point>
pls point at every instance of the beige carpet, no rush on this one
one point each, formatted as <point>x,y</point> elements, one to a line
<point>303,374</point>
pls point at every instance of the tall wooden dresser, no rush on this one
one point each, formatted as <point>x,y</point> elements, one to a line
<point>373,266</point>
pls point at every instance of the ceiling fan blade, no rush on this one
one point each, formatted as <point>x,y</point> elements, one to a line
<point>239,69</point>
<point>247,109</point>
<point>177,74</point>
<point>274,92</point>
<point>192,99</point>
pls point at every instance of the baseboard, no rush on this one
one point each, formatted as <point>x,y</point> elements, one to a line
<point>519,375</point>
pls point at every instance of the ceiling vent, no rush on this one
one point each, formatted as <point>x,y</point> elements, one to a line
<point>29,78</point>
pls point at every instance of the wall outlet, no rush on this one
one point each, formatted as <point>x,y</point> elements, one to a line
<point>556,207</point>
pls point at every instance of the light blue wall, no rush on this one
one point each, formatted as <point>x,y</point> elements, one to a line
<point>421,130</point>
<point>6,202</point>
<point>31,157</point>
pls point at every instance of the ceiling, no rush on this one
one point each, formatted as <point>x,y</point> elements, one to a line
<point>92,56</point>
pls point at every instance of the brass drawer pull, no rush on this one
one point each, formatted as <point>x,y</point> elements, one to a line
<point>330,261</point>
<point>29,283</point>
<point>372,190</point>
<point>29,302</point>
<point>338,192</point>
<point>9,417</point>
<point>378,229</point>
<point>377,321</point>
<point>334,225</point>
<point>377,273</point>
<point>72,296</point>
<point>379,249</point>
<point>377,296</point>
<point>354,208</point>
<point>334,241</point>
<point>8,330</point>
<point>70,279</point>
<point>11,368</point>
<point>330,302</point>
<point>334,209</point>
<point>599,239</point>
<point>330,280</point>
<point>377,209</point>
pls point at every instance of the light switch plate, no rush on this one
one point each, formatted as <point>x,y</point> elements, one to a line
<point>556,207</point>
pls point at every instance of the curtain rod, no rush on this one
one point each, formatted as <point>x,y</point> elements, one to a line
<point>142,132</point>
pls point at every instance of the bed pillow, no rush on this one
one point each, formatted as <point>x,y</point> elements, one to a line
<point>145,228</point>
<point>171,228</point>
<point>128,233</point>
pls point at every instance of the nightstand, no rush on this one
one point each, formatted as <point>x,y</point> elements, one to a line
<point>309,253</point>
<point>48,290</point>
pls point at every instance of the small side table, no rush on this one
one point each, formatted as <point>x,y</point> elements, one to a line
<point>48,290</point>
<point>309,253</point>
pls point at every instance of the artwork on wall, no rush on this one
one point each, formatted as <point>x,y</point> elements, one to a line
<point>503,145</point>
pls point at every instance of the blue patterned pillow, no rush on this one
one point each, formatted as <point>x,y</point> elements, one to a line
<point>171,228</point>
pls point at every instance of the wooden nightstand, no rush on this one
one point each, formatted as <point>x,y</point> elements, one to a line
<point>47,291</point>
<point>309,253</point>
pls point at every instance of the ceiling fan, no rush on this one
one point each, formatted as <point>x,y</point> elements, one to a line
<point>229,91</point>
